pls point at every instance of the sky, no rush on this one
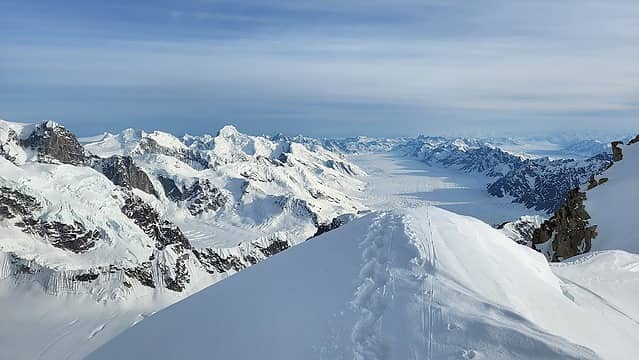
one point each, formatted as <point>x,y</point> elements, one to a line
<point>323,68</point>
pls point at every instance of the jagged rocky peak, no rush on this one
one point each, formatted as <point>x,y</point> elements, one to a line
<point>122,171</point>
<point>199,197</point>
<point>568,232</point>
<point>571,230</point>
<point>54,143</point>
<point>334,224</point>
<point>617,153</point>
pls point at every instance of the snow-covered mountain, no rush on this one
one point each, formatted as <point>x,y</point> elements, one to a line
<point>538,183</point>
<point>600,215</point>
<point>408,284</point>
<point>125,224</point>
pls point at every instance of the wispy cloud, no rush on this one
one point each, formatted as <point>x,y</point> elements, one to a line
<point>495,59</point>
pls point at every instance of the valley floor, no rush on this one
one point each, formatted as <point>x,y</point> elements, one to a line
<point>397,182</point>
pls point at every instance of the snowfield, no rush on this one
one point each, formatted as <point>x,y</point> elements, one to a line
<point>421,283</point>
<point>395,181</point>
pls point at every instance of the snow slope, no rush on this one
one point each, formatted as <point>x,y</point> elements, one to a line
<point>421,283</point>
<point>613,205</point>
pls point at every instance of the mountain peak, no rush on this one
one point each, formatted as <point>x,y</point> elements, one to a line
<point>228,131</point>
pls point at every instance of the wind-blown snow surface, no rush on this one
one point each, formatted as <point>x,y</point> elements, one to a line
<point>422,283</point>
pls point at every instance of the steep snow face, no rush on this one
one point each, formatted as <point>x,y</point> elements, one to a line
<point>417,284</point>
<point>613,205</point>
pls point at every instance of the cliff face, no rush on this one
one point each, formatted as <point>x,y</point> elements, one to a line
<point>54,143</point>
<point>122,171</point>
<point>570,231</point>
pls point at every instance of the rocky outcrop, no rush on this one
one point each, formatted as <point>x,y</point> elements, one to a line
<point>22,209</point>
<point>122,171</point>
<point>334,224</point>
<point>199,198</point>
<point>222,261</point>
<point>521,230</point>
<point>171,190</point>
<point>202,196</point>
<point>55,144</point>
<point>9,145</point>
<point>148,219</point>
<point>568,231</point>
<point>617,154</point>
<point>75,238</point>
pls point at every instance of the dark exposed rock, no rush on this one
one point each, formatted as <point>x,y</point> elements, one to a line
<point>86,277</point>
<point>202,196</point>
<point>5,148</point>
<point>568,230</point>
<point>617,153</point>
<point>221,261</point>
<point>274,247</point>
<point>143,273</point>
<point>14,203</point>
<point>170,189</point>
<point>342,167</point>
<point>122,171</point>
<point>54,143</point>
<point>334,224</point>
<point>214,262</point>
<point>199,198</point>
<point>634,140</point>
<point>24,269</point>
<point>592,182</point>
<point>181,277</point>
<point>76,237</point>
<point>148,219</point>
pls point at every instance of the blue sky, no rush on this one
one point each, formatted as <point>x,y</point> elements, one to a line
<point>323,68</point>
